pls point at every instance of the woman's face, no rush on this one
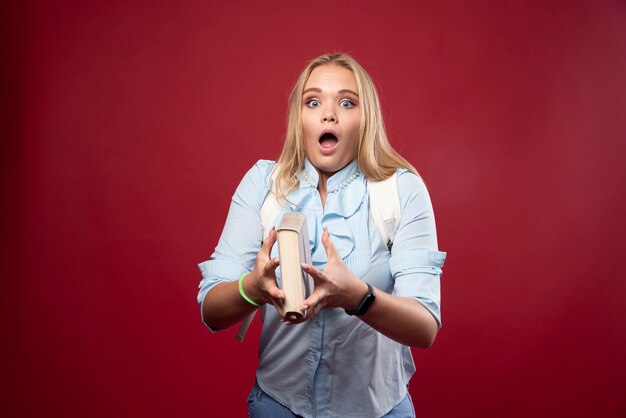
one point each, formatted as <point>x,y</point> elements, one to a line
<point>330,118</point>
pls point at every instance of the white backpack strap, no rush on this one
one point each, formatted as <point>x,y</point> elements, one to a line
<point>269,211</point>
<point>270,207</point>
<point>385,207</point>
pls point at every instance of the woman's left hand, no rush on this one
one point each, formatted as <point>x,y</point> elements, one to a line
<point>335,286</point>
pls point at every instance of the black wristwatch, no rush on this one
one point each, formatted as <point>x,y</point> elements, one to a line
<point>365,304</point>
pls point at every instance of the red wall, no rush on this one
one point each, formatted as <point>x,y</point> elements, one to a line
<point>129,124</point>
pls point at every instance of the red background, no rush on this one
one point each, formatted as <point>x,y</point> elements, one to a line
<point>129,124</point>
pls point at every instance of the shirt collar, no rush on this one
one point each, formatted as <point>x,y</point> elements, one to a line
<point>310,178</point>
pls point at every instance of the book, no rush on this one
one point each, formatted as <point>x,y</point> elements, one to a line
<point>293,251</point>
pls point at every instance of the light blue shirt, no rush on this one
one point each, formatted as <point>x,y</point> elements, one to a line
<point>335,365</point>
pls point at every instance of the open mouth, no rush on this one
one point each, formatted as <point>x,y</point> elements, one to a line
<point>328,140</point>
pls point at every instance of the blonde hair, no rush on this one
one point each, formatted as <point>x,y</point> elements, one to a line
<point>376,157</point>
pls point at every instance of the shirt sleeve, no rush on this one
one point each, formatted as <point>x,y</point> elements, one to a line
<point>416,262</point>
<point>242,235</point>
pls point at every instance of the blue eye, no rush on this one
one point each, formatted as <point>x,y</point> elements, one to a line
<point>346,104</point>
<point>312,103</point>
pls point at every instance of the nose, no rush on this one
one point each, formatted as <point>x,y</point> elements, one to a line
<point>329,115</point>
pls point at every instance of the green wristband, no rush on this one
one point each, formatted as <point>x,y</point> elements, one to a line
<point>242,293</point>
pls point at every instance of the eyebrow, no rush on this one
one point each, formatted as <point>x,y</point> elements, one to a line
<point>318,90</point>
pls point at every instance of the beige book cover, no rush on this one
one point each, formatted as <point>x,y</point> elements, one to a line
<point>293,251</point>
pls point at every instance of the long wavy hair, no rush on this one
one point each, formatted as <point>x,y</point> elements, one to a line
<point>376,157</point>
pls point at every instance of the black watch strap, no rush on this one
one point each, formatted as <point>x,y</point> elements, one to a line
<point>365,304</point>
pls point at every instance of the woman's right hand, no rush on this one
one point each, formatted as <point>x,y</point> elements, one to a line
<point>260,285</point>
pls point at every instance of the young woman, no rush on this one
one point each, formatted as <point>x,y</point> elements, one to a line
<point>350,357</point>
